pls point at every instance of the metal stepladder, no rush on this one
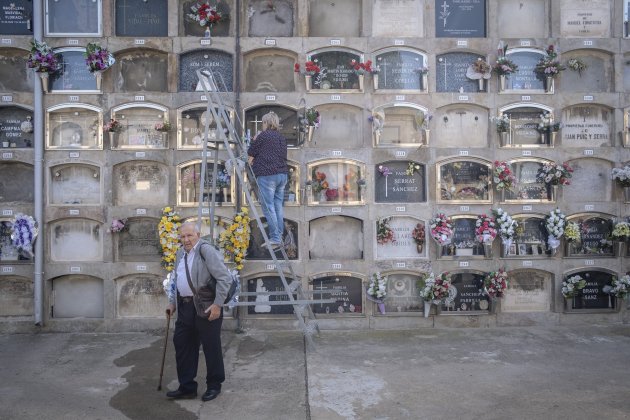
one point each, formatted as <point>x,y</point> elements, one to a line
<point>237,152</point>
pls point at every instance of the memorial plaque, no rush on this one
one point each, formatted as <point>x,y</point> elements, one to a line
<point>257,251</point>
<point>16,296</point>
<point>585,18</point>
<point>595,294</point>
<point>336,238</point>
<point>74,74</point>
<point>345,289</point>
<point>403,245</point>
<point>527,292</point>
<point>270,18</point>
<point>218,62</point>
<point>464,180</point>
<point>12,191</point>
<point>66,17</point>
<point>450,122</point>
<point>451,72</point>
<point>289,124</point>
<point>342,122</point>
<point>595,238</point>
<point>9,252</point>
<point>592,175</point>
<point>530,238</point>
<point>268,284</point>
<point>143,183</point>
<point>336,70</point>
<point>192,28</point>
<point>269,73</point>
<point>139,241</point>
<point>398,18</point>
<point>460,19</point>
<point>586,126</point>
<point>16,17</point>
<point>400,186</point>
<point>464,242</point>
<point>527,187</point>
<point>402,293</point>
<point>16,127</point>
<point>525,78</point>
<point>141,71</point>
<point>466,293</point>
<point>399,70</point>
<point>75,184</point>
<point>78,296</point>
<point>76,240</point>
<point>523,122</point>
<point>338,18</point>
<point>15,76</point>
<point>141,18</point>
<point>140,295</point>
<point>73,128</point>
<point>522,19</point>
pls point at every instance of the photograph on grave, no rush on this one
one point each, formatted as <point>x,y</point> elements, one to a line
<point>74,127</point>
<point>342,128</point>
<point>292,191</point>
<point>141,18</point>
<point>189,183</point>
<point>457,19</point>
<point>74,75</point>
<point>585,18</point>
<point>336,71</point>
<point>271,18</point>
<point>464,181</point>
<point>142,126</point>
<point>16,17</point>
<point>400,125</point>
<point>76,240</point>
<point>16,127</point>
<point>140,182</point>
<point>219,63</point>
<point>289,122</point>
<point>595,239</point>
<point>528,291</point>
<point>20,191</point>
<point>530,239</point>
<point>8,251</point>
<point>266,284</point>
<point>527,187</point>
<point>73,17</point>
<point>191,27</point>
<point>191,123</point>
<point>139,295</point>
<point>403,294</point>
<point>75,184</point>
<point>400,69</point>
<point>138,241</point>
<point>336,182</point>
<point>461,126</point>
<point>590,175</point>
<point>401,181</point>
<point>597,74</point>
<point>339,18</point>
<point>16,296</point>
<point>464,241</point>
<point>396,18</point>
<point>14,73</point>
<point>346,288</point>
<point>595,294</point>
<point>587,126</point>
<point>335,238</point>
<point>257,251</point>
<point>523,126</point>
<point>77,296</point>
<point>141,70</point>
<point>269,72</point>
<point>525,79</point>
<point>522,19</point>
<point>450,74</point>
<point>400,237</point>
<point>466,293</point>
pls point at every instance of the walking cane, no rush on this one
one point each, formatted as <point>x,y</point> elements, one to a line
<point>168,324</point>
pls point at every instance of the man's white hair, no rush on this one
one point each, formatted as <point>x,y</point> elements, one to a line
<point>193,224</point>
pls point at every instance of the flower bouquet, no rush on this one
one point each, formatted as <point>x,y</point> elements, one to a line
<point>485,229</point>
<point>332,194</point>
<point>312,118</point>
<point>504,67</point>
<point>620,287</point>
<point>310,68</point>
<point>118,225</point>
<point>377,290</point>
<point>555,223</point>
<point>572,233</point>
<point>502,176</point>
<point>169,237</point>
<point>433,290</point>
<point>319,182</point>
<point>572,286</point>
<point>234,240</point>
<point>223,179</point>
<point>621,232</point>
<point>622,176</point>
<point>507,227</point>
<point>441,229</point>
<point>113,126</point>
<point>24,230</point>
<point>549,65</point>
<point>412,168</point>
<point>419,236</point>
<point>501,123</point>
<point>479,69</point>
<point>384,170</point>
<point>546,124</point>
<point>43,59</point>
<point>575,64</point>
<point>360,69</point>
<point>553,174</point>
<point>206,15</point>
<point>98,59</point>
<point>384,233</point>
<point>495,283</point>
<point>163,127</point>
<point>422,120</point>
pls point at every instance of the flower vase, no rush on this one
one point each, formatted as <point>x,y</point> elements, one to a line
<point>98,75</point>
<point>322,196</point>
<point>550,138</point>
<point>427,134</point>
<point>620,248</point>
<point>112,139</point>
<point>501,83</point>
<point>481,84</point>
<point>419,248</point>
<point>626,194</point>
<point>208,34</point>
<point>310,131</point>
<point>188,191</point>
<point>505,138</point>
<point>569,302</point>
<point>425,82</point>
<point>43,77</point>
<point>549,84</point>
<point>361,80</point>
<point>552,192</point>
<point>505,251</point>
<point>487,250</point>
<point>427,308</point>
<point>164,138</point>
<point>225,193</point>
<point>308,80</point>
<point>375,81</point>
<point>492,304</point>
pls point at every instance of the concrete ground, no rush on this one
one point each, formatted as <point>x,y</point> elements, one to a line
<point>495,373</point>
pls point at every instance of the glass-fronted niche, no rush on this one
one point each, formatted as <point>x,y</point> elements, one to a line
<point>9,252</point>
<point>400,124</point>
<point>530,239</point>
<point>139,127</point>
<point>466,293</point>
<point>523,126</point>
<point>73,18</point>
<point>524,79</point>
<point>290,126</point>
<point>76,126</point>
<point>464,181</point>
<point>527,188</point>
<point>596,292</point>
<point>75,184</point>
<point>74,75</point>
<point>191,123</point>
<point>16,127</point>
<point>464,241</point>
<point>336,182</point>
<point>594,236</point>
<point>400,69</point>
<point>190,27</point>
<point>189,182</point>
<point>292,191</point>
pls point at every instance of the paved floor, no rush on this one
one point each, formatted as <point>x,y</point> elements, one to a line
<point>497,373</point>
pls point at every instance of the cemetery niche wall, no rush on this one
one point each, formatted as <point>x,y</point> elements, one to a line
<point>141,70</point>
<point>16,192</point>
<point>464,181</point>
<point>138,241</point>
<point>597,77</point>
<point>16,18</point>
<point>191,123</point>
<point>268,71</point>
<point>74,184</point>
<point>271,18</point>
<point>335,238</point>
<point>16,296</point>
<point>346,288</point>
<point>138,127</point>
<point>461,126</point>
<point>14,73</point>
<point>139,295</point>
<point>528,291</point>
<point>220,63</point>
<point>408,239</point>
<point>292,191</point>
<point>465,294</point>
<point>523,121</point>
<point>592,175</point>
<point>141,18</point>
<point>595,236</point>
<point>403,295</point>
<point>290,240</point>
<point>16,127</point>
<point>77,296</point>
<point>75,239</point>
<point>587,125</point>
<point>76,126</point>
<point>400,69</point>
<point>595,294</point>
<point>335,182</point>
<point>400,182</point>
<point>74,75</point>
<point>73,18</point>
<point>189,183</point>
<point>268,283</point>
<point>289,122</point>
<point>340,18</point>
<point>525,80</point>
<point>400,125</point>
<point>140,183</point>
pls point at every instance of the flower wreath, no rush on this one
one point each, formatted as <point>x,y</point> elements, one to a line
<point>23,233</point>
<point>234,240</point>
<point>169,237</point>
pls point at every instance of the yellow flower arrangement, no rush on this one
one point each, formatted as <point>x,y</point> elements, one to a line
<point>234,240</point>
<point>169,237</point>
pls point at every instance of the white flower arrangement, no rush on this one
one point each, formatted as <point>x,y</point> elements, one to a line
<point>621,231</point>
<point>169,286</point>
<point>620,287</point>
<point>555,223</point>
<point>622,176</point>
<point>377,288</point>
<point>572,232</point>
<point>23,233</point>
<point>434,289</point>
<point>506,226</point>
<point>572,285</point>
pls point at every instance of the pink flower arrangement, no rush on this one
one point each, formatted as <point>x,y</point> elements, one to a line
<point>118,225</point>
<point>441,229</point>
<point>495,283</point>
<point>384,170</point>
<point>418,234</point>
<point>97,58</point>
<point>553,174</point>
<point>502,176</point>
<point>310,68</point>
<point>43,59</point>
<point>434,288</point>
<point>332,194</point>
<point>486,229</point>
<point>112,126</point>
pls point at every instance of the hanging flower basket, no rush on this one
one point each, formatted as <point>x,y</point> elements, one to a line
<point>24,230</point>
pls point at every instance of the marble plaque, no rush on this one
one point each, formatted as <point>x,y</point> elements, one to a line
<point>343,123</point>
<point>525,78</point>
<point>397,18</point>
<point>289,124</point>
<point>218,62</point>
<point>522,19</point>
<point>16,127</point>
<point>141,18</point>
<point>523,123</point>
<point>338,18</point>
<point>16,17</point>
<point>466,293</point>
<point>595,237</point>
<point>527,292</point>
<point>398,70</point>
<point>341,179</point>
<point>598,76</point>
<point>347,290</point>
<point>400,187</point>
<point>73,17</point>
<point>464,180</point>
<point>586,126</point>
<point>402,293</point>
<point>192,28</point>
<point>15,76</point>
<point>269,73</point>
<point>460,19</point>
<point>140,295</point>
<point>76,240</point>
<point>143,183</point>
<point>594,295</point>
<point>74,74</point>
<point>403,246</point>
<point>336,238</point>
<point>16,296</point>
<point>530,238</point>
<point>257,251</point>
<point>268,284</point>
<point>140,71</point>
<point>270,18</point>
<point>8,252</point>
<point>464,242</point>
<point>138,129</point>
<point>336,70</point>
<point>526,187</point>
<point>78,296</point>
<point>592,175</point>
<point>461,126</point>
<point>451,72</point>
<point>73,128</point>
<point>139,241</point>
<point>585,18</point>
<point>16,192</point>
<point>75,184</point>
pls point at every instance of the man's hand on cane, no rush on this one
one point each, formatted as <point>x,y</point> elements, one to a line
<point>170,309</point>
<point>215,312</point>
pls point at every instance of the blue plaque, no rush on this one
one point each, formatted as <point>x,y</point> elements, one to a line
<point>460,18</point>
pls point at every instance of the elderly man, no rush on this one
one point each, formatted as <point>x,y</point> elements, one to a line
<point>199,263</point>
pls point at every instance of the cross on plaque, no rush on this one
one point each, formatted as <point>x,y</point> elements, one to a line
<point>320,287</point>
<point>256,121</point>
<point>124,6</point>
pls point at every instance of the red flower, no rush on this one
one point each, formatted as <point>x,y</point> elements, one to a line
<point>296,67</point>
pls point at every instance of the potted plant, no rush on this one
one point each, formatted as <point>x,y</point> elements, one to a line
<point>495,285</point>
<point>419,237</point>
<point>98,59</point>
<point>552,175</point>
<point>502,125</point>
<point>44,61</point>
<point>555,223</point>
<point>433,290</point>
<point>622,176</point>
<point>310,69</point>
<point>503,177</point>
<point>481,71</point>
<point>572,236</point>
<point>503,67</point>
<point>507,228</point>
<point>547,129</point>
<point>377,291</point>
<point>571,288</point>
<point>548,67</point>
<point>485,233</point>
<point>207,16</point>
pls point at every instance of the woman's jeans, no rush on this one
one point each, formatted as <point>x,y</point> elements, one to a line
<point>271,188</point>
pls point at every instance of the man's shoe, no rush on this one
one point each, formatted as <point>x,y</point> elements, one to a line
<point>178,394</point>
<point>210,394</point>
<point>274,245</point>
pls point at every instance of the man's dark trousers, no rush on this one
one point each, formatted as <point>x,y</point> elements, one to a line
<point>190,331</point>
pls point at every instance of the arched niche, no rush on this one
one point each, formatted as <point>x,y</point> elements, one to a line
<point>592,175</point>
<point>16,126</point>
<point>336,70</point>
<point>525,80</point>
<point>398,19</point>
<point>271,18</point>
<point>189,27</point>
<point>15,76</point>
<point>290,239</point>
<point>16,296</point>
<point>523,119</point>
<point>347,288</point>
<point>292,191</point>
<point>450,72</point>
<point>335,182</point>
<point>69,18</point>
<point>138,122</point>
<point>9,252</point>
<point>141,70</point>
<point>595,236</point>
<point>400,181</point>
<point>530,238</point>
<point>595,295</point>
<point>267,282</point>
<point>268,71</point>
<point>139,241</point>
<point>466,293</point>
<point>74,126</point>
<point>529,290</point>
<point>527,187</point>
<point>586,20</point>
<point>20,23</point>
<point>341,18</point>
<point>400,124</point>
<point>464,241</point>
<point>219,63</point>
<point>403,244</point>
<point>74,75</point>
<point>403,294</point>
<point>139,295</point>
<point>189,180</point>
<point>450,122</point>
<point>464,181</point>
<point>588,125</point>
<point>598,76</point>
<point>16,181</point>
<point>519,19</point>
<point>191,125</point>
<point>140,182</point>
<point>140,18</point>
<point>343,126</point>
<point>75,240</point>
<point>74,183</point>
<point>336,238</point>
<point>77,296</point>
<point>289,122</point>
<point>399,69</point>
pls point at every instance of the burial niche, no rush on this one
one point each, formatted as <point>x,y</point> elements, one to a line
<point>343,127</point>
<point>525,79</point>
<point>587,126</point>
<point>192,120</point>
<point>15,76</point>
<point>586,18</point>
<point>522,19</point>
<point>456,19</point>
<point>138,241</point>
<point>271,18</point>
<point>269,71</point>
<point>192,28</point>
<point>140,183</point>
<point>336,238</point>
<point>596,292</point>
<point>75,184</point>
<point>394,18</point>
<point>450,74</point>
<point>461,126</point>
<point>530,239</point>
<point>339,18</point>
<point>400,124</point>
<point>74,75</point>
<point>336,71</point>
<point>189,182</point>
<point>141,18</point>
<point>345,288</point>
<point>292,191</point>
<point>290,239</point>
<point>597,77</point>
<point>77,296</point>
<point>466,293</point>
<point>219,63</point>
<point>464,241</point>
<point>16,182</point>
<point>263,285</point>
<point>528,291</point>
<point>139,122</point>
<point>590,181</point>
<point>464,181</point>
<point>139,295</point>
<point>76,240</point>
<point>523,126</point>
<point>400,69</point>
<point>16,127</point>
<point>336,182</point>
<point>289,122</point>
<point>595,236</point>
<point>74,127</point>
<point>73,17</point>
<point>527,187</point>
<point>403,294</point>
<point>141,70</point>
<point>400,182</point>
<point>8,251</point>
<point>16,18</point>
<point>16,296</point>
<point>408,239</point>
